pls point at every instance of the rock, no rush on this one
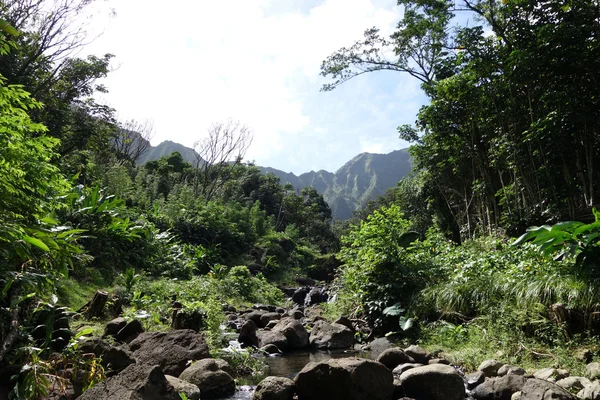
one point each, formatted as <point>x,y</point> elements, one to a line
<point>280,310</point>
<point>584,355</point>
<point>316,295</point>
<point>130,331</point>
<point>294,332</point>
<point>255,316</point>
<point>114,326</point>
<point>331,336</point>
<point>345,378</point>
<point>592,370</point>
<point>271,324</point>
<point>136,382</point>
<point>299,295</point>
<point>507,369</point>
<point>562,373</point>
<point>402,368</point>
<point>170,350</point>
<point>113,359</point>
<point>433,382</point>
<point>247,336</point>
<point>210,378</point>
<point>537,389</point>
<point>545,373</point>
<point>474,379</point>
<point>574,383</point>
<point>268,317</point>
<point>191,391</point>
<point>499,388</point>
<point>418,354</point>
<point>393,357</point>
<point>516,396</point>
<point>223,365</point>
<point>379,345</point>
<point>344,321</point>
<point>275,388</point>
<point>490,367</point>
<point>438,361</point>
<point>272,337</point>
<point>271,349</point>
<point>296,314</point>
<point>590,392</point>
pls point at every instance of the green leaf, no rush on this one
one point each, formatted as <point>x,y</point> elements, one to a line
<point>406,323</point>
<point>84,332</point>
<point>394,310</point>
<point>6,27</point>
<point>35,242</point>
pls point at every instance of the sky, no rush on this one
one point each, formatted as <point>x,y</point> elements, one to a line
<point>186,64</point>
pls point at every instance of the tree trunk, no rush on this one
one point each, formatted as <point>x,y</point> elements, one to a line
<point>96,306</point>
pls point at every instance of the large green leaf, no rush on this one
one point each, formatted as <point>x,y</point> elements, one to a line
<point>36,242</point>
<point>6,27</point>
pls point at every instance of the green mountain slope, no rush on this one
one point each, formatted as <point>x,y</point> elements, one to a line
<point>165,148</point>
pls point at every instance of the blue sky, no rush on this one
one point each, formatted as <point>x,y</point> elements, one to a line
<point>190,64</point>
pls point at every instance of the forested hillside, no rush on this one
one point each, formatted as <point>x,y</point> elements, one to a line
<point>450,258</point>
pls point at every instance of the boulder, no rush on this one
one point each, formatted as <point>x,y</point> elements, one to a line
<point>474,379</point>
<point>574,383</point>
<point>136,382</point>
<point>393,357</point>
<point>433,382</point>
<point>268,317</point>
<point>345,379</point>
<point>344,321</point>
<point>507,369</point>
<point>272,337</point>
<point>316,295</point>
<point>299,295</point>
<point>275,388</point>
<point>172,350</point>
<point>191,391</point>
<point>379,345</point>
<point>114,359</point>
<point>545,373</point>
<point>247,335</point>
<point>255,316</point>
<point>114,326</point>
<point>294,332</point>
<point>130,331</point>
<point>331,336</point>
<point>499,388</point>
<point>590,392</point>
<point>418,354</point>
<point>402,368</point>
<point>592,370</point>
<point>296,314</point>
<point>271,349</point>
<point>490,367</point>
<point>210,378</point>
<point>537,389</point>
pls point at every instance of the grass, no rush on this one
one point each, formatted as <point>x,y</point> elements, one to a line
<point>75,294</point>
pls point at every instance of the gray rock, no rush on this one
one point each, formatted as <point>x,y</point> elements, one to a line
<point>592,370</point>
<point>345,379</point>
<point>294,332</point>
<point>393,357</point>
<point>490,367</point>
<point>247,336</point>
<point>438,361</point>
<point>590,392</point>
<point>113,358</point>
<point>344,321</point>
<point>255,316</point>
<point>507,369</point>
<point>516,396</point>
<point>114,326</point>
<point>136,382</point>
<point>574,383</point>
<point>538,389</point>
<point>172,350</point>
<point>499,388</point>
<point>191,391</point>
<point>402,368</point>
<point>545,373</point>
<point>474,379</point>
<point>296,314</point>
<point>418,354</point>
<point>271,349</point>
<point>379,345</point>
<point>272,337</point>
<point>433,382</point>
<point>299,296</point>
<point>130,331</point>
<point>268,317</point>
<point>210,378</point>
<point>331,336</point>
<point>275,388</point>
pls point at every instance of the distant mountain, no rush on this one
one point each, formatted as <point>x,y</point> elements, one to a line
<point>164,149</point>
<point>361,179</point>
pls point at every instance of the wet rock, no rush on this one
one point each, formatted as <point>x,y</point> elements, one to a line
<point>433,382</point>
<point>191,391</point>
<point>345,379</point>
<point>136,382</point>
<point>490,367</point>
<point>268,317</point>
<point>393,357</point>
<point>271,349</point>
<point>537,389</point>
<point>296,314</point>
<point>255,316</point>
<point>499,388</point>
<point>316,295</point>
<point>247,336</point>
<point>272,337</point>
<point>331,336</point>
<point>300,294</point>
<point>275,388</point>
<point>296,334</point>
<point>170,350</point>
<point>210,378</point>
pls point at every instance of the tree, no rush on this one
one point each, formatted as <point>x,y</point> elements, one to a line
<point>132,141</point>
<point>218,154</point>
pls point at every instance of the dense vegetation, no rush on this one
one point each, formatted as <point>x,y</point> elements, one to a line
<point>434,259</point>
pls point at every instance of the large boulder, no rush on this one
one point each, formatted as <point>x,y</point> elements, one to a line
<point>294,331</point>
<point>275,388</point>
<point>268,317</point>
<point>136,382</point>
<point>499,388</point>
<point>393,357</point>
<point>433,382</point>
<point>209,376</point>
<point>299,295</point>
<point>114,359</point>
<point>490,367</point>
<point>255,316</point>
<point>247,335</point>
<point>272,337</point>
<point>592,370</point>
<point>418,354</point>
<point>345,379</point>
<point>172,351</point>
<point>590,392</point>
<point>331,336</point>
<point>537,389</point>
<point>191,391</point>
